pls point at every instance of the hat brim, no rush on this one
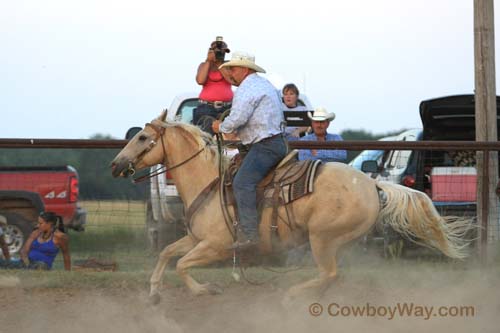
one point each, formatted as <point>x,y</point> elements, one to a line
<point>328,117</point>
<point>243,63</point>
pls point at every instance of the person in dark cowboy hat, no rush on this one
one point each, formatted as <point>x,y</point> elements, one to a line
<point>216,95</point>
<point>256,117</point>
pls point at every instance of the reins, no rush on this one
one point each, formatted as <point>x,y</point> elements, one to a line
<point>231,226</point>
<point>164,166</point>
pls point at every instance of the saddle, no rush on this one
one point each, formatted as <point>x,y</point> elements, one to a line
<point>290,180</point>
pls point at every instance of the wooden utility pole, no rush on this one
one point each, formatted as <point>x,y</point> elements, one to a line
<point>486,120</point>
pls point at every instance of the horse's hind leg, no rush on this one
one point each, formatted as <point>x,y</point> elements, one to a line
<point>178,248</point>
<point>324,252</point>
<point>201,255</point>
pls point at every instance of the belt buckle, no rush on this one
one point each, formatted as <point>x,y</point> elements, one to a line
<point>218,104</point>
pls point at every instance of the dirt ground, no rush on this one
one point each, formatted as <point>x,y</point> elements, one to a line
<point>243,307</point>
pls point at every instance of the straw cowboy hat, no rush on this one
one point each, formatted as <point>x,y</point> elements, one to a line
<point>243,59</point>
<point>320,114</point>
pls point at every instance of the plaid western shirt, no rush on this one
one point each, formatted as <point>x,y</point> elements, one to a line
<point>256,112</point>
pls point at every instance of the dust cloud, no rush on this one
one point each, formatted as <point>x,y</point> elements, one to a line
<point>366,282</point>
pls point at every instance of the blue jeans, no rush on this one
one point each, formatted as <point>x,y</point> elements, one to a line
<point>19,264</point>
<point>261,158</point>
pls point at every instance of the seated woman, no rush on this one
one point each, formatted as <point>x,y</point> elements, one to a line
<point>290,94</point>
<point>43,245</point>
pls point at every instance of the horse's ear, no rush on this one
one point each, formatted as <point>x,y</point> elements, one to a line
<point>163,115</point>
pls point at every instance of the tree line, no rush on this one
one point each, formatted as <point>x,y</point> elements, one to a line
<point>93,166</point>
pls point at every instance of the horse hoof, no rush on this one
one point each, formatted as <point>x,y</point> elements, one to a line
<point>154,299</point>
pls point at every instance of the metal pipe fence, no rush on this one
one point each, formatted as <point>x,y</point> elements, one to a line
<point>131,213</point>
<point>351,145</point>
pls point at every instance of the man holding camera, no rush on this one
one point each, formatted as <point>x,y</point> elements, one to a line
<point>256,117</point>
<point>216,94</point>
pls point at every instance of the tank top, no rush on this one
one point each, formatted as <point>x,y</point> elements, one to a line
<point>216,88</point>
<point>45,252</point>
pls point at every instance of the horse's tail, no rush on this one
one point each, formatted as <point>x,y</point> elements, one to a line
<point>412,214</point>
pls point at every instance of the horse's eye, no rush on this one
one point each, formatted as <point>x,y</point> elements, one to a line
<point>143,138</point>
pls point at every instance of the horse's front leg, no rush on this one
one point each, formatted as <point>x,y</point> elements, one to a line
<point>201,255</point>
<point>178,248</point>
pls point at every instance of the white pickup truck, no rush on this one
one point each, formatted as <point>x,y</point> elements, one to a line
<point>165,209</point>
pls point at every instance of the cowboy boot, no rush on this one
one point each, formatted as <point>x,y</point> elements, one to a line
<point>244,242</point>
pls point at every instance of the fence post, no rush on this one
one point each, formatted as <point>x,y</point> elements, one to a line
<point>486,121</point>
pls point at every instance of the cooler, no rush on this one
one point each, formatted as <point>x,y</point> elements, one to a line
<point>454,183</point>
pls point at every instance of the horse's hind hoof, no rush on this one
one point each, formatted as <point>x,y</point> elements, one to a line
<point>154,299</point>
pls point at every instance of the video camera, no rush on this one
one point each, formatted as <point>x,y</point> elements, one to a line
<point>219,47</point>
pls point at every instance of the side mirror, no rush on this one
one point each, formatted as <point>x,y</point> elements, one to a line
<point>132,132</point>
<point>369,166</point>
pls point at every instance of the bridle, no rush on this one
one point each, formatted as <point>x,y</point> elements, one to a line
<point>160,130</point>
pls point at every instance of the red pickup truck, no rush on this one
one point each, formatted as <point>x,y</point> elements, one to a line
<point>26,191</point>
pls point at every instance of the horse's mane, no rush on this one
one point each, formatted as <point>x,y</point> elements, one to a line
<point>195,133</point>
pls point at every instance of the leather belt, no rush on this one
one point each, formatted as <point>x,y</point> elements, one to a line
<point>270,137</point>
<point>215,104</point>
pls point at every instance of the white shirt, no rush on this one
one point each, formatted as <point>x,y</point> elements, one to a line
<point>256,112</point>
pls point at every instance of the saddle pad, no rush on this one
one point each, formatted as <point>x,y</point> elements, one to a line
<point>301,185</point>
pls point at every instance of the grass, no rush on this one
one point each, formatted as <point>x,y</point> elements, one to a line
<point>403,273</point>
<point>116,231</point>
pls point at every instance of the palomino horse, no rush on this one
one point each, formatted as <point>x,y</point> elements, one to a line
<point>345,205</point>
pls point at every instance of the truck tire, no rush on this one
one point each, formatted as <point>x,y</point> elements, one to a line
<point>161,233</point>
<point>394,244</point>
<point>17,231</point>
<point>169,232</point>
<point>151,228</point>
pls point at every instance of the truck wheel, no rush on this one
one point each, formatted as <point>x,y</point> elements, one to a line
<point>169,232</point>
<point>393,244</point>
<point>151,228</point>
<point>17,231</point>
<point>161,233</point>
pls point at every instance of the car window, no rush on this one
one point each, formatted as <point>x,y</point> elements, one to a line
<point>399,159</point>
<point>185,111</point>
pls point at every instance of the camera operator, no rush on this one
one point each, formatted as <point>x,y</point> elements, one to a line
<point>216,94</point>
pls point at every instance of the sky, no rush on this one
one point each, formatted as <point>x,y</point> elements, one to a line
<point>72,69</point>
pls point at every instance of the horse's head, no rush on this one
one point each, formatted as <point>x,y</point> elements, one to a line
<point>142,151</point>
